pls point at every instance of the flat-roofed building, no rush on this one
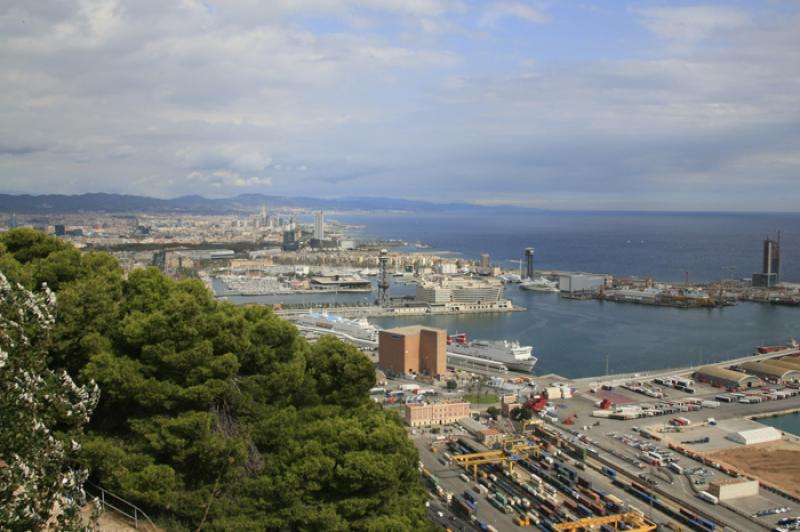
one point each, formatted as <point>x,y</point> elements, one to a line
<point>423,415</point>
<point>769,371</point>
<point>580,282</point>
<point>341,283</point>
<point>412,350</point>
<point>733,488</point>
<point>726,378</point>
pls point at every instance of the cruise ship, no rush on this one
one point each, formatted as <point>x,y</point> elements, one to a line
<point>539,285</point>
<point>514,356</point>
<point>359,329</point>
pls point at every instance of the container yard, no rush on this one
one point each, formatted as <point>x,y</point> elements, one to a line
<point>664,451</point>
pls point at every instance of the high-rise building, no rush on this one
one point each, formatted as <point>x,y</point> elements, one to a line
<point>264,218</point>
<point>770,275</point>
<point>485,264</point>
<point>12,222</point>
<point>319,225</point>
<point>529,263</point>
<point>290,242</point>
<point>772,258</point>
<point>60,230</point>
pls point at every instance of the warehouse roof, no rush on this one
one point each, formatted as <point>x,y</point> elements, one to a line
<point>760,435</point>
<point>770,370</point>
<point>788,363</point>
<point>719,372</point>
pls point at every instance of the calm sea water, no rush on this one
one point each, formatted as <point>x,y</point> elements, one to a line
<point>574,338</point>
<point>787,423</point>
<point>664,245</point>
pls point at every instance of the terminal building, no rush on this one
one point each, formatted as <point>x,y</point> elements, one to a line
<point>341,283</point>
<point>726,378</point>
<point>462,294</point>
<point>413,350</point>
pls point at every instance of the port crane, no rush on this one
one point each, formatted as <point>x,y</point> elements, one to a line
<point>629,519</point>
<point>512,450</point>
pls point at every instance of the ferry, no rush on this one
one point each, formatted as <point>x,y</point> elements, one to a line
<point>513,355</point>
<point>360,329</point>
<point>539,285</point>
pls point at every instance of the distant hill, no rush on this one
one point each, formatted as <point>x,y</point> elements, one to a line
<point>101,202</point>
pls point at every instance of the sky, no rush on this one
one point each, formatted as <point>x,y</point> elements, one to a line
<point>553,104</point>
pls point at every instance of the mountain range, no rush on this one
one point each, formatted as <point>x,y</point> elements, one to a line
<point>102,202</point>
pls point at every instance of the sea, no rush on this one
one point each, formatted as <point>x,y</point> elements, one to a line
<point>787,423</point>
<point>586,338</point>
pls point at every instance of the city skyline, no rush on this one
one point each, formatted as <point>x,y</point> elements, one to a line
<point>632,106</point>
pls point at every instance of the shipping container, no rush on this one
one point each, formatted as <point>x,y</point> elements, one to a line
<point>609,472</point>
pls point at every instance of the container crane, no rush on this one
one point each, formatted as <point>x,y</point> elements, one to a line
<point>633,522</point>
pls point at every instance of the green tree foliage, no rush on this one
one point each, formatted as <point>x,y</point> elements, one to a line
<point>521,414</point>
<point>41,410</point>
<point>218,416</point>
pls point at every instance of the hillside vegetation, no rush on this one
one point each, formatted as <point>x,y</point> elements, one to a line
<point>215,416</point>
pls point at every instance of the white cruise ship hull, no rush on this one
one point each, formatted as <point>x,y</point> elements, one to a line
<point>505,356</point>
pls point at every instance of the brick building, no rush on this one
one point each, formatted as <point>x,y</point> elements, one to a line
<point>423,415</point>
<point>413,350</point>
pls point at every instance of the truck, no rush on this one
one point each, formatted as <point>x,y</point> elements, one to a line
<point>676,468</point>
<point>706,496</point>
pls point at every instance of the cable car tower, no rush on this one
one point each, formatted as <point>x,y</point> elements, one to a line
<point>383,278</point>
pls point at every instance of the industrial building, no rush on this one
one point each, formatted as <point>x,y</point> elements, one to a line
<point>580,282</point>
<point>771,372</point>
<point>726,378</point>
<point>733,488</point>
<point>412,350</point>
<point>424,415</point>
<point>753,436</point>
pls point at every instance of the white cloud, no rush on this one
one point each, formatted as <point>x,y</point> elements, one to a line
<point>228,178</point>
<point>241,158</point>
<point>242,94</point>
<point>499,10</point>
<point>691,23</point>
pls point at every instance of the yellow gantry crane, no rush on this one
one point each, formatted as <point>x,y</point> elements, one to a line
<point>510,453</point>
<point>476,459</point>
<point>636,523</point>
